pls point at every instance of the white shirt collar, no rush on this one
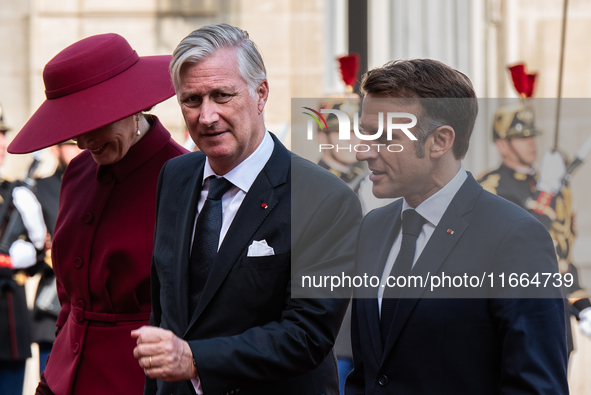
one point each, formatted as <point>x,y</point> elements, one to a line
<point>246,172</point>
<point>433,208</point>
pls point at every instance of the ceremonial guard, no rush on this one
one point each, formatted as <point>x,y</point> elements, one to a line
<point>341,160</point>
<point>341,163</point>
<point>344,164</point>
<point>22,238</point>
<point>545,195</point>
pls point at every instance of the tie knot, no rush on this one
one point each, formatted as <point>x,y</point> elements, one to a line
<point>412,222</point>
<point>217,188</point>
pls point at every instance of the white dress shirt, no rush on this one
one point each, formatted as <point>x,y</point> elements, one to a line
<point>432,209</point>
<point>242,176</point>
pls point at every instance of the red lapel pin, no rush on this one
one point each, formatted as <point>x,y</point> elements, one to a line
<point>449,231</point>
<point>264,205</point>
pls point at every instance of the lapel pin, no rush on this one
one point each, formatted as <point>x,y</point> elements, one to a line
<point>264,205</point>
<point>449,231</point>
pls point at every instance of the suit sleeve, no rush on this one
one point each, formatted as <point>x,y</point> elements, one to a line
<point>303,336</point>
<point>151,384</point>
<point>531,326</point>
<point>355,384</point>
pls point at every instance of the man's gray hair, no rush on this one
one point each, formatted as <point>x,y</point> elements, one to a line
<point>206,40</point>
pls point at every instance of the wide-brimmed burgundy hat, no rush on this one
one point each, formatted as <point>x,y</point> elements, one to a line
<point>92,83</point>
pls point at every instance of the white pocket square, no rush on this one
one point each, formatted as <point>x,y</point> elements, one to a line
<point>260,248</point>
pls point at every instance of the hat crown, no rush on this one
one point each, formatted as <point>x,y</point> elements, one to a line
<point>86,63</point>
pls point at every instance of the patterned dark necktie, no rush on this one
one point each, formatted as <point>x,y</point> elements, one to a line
<point>412,223</point>
<point>206,240</point>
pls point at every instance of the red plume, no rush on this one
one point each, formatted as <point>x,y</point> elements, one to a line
<point>523,82</point>
<point>349,65</point>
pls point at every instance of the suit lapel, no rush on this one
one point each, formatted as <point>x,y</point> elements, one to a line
<point>188,198</point>
<point>391,227</point>
<point>373,319</point>
<point>435,253</point>
<point>248,219</point>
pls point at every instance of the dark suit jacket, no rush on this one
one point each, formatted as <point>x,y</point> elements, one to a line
<point>489,344</point>
<point>247,333</point>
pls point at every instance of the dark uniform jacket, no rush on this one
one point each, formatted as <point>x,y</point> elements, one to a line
<point>47,192</point>
<point>15,323</point>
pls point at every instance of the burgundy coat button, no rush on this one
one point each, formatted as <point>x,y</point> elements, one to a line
<point>88,218</point>
<point>81,304</point>
<point>75,348</point>
<point>77,262</point>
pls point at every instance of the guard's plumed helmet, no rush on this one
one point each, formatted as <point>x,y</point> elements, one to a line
<point>348,105</point>
<point>514,120</point>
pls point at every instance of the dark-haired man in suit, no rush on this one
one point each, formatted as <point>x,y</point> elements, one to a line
<point>237,225</point>
<point>409,339</point>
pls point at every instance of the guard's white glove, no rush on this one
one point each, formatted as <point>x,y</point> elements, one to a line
<point>552,171</point>
<point>30,209</point>
<point>585,321</point>
<point>22,254</point>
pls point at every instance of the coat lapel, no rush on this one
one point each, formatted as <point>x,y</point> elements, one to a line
<point>391,227</point>
<point>248,219</point>
<point>188,198</point>
<point>435,253</point>
<point>373,319</point>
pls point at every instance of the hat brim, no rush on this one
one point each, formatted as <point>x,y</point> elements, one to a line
<point>141,86</point>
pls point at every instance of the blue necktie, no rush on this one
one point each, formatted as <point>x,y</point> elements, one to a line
<point>206,240</point>
<point>412,223</point>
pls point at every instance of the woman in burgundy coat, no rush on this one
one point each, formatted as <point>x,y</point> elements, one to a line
<point>97,90</point>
